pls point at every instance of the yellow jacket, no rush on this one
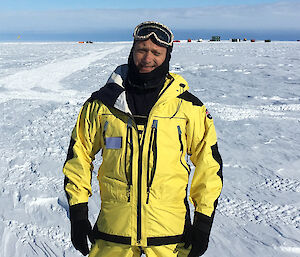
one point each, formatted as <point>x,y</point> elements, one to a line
<point>144,175</point>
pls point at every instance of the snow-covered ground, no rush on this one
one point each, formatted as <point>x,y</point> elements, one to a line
<point>252,91</point>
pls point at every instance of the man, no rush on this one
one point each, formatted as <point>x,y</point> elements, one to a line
<point>145,122</point>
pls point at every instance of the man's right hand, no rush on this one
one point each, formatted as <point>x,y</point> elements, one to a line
<point>80,230</point>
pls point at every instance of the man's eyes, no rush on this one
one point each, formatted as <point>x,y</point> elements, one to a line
<point>156,53</point>
<point>145,50</point>
<point>141,50</point>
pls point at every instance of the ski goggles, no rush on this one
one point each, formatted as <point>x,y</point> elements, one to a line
<point>160,32</point>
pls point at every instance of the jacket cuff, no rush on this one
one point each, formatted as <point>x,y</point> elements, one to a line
<point>202,222</point>
<point>79,212</point>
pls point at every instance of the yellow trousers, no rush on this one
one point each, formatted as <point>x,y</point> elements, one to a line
<point>109,249</point>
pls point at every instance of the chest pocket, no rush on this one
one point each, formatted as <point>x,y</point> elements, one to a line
<point>116,167</point>
<point>110,141</point>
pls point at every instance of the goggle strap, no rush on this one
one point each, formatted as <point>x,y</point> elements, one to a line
<point>156,38</point>
<point>157,26</point>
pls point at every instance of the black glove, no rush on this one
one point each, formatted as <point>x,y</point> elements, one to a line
<point>80,228</point>
<point>198,234</point>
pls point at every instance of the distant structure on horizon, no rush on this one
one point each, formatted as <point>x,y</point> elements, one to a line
<point>87,42</point>
<point>215,38</point>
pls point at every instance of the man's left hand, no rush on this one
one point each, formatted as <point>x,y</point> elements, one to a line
<point>197,234</point>
<point>199,241</point>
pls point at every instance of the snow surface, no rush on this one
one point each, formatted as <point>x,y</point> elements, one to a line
<point>251,90</point>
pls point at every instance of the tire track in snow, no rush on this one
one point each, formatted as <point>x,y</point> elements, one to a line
<point>281,184</point>
<point>237,112</point>
<point>44,82</point>
<point>290,249</point>
<point>260,212</point>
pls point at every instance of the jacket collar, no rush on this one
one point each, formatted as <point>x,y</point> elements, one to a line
<point>113,93</point>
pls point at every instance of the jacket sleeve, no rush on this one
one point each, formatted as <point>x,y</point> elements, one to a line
<point>84,145</point>
<point>207,180</point>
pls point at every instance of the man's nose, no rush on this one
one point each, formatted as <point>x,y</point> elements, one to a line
<point>147,57</point>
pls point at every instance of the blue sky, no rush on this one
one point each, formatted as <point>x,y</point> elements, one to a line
<point>66,17</point>
<point>122,4</point>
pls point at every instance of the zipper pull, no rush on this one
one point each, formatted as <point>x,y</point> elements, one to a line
<point>179,134</point>
<point>129,127</point>
<point>128,193</point>
<point>154,124</point>
<point>129,123</point>
<point>148,193</point>
<point>104,130</point>
<point>179,130</point>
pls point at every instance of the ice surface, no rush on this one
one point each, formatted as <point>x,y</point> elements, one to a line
<point>252,91</point>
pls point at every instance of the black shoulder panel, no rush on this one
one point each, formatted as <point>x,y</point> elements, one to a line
<point>107,94</point>
<point>187,96</point>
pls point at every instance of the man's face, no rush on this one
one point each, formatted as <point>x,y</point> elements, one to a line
<point>147,56</point>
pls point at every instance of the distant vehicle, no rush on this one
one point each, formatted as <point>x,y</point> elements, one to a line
<point>252,40</point>
<point>176,41</point>
<point>200,40</point>
<point>87,42</point>
<point>215,38</point>
<point>189,40</point>
<point>268,40</point>
<point>235,40</point>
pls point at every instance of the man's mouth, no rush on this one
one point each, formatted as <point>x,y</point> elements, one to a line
<point>146,68</point>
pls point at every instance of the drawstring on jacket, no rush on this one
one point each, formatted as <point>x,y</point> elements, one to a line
<point>153,147</point>
<point>129,172</point>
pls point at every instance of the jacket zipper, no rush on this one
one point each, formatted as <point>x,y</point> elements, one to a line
<point>153,148</point>
<point>139,203</point>
<point>181,149</point>
<point>128,174</point>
